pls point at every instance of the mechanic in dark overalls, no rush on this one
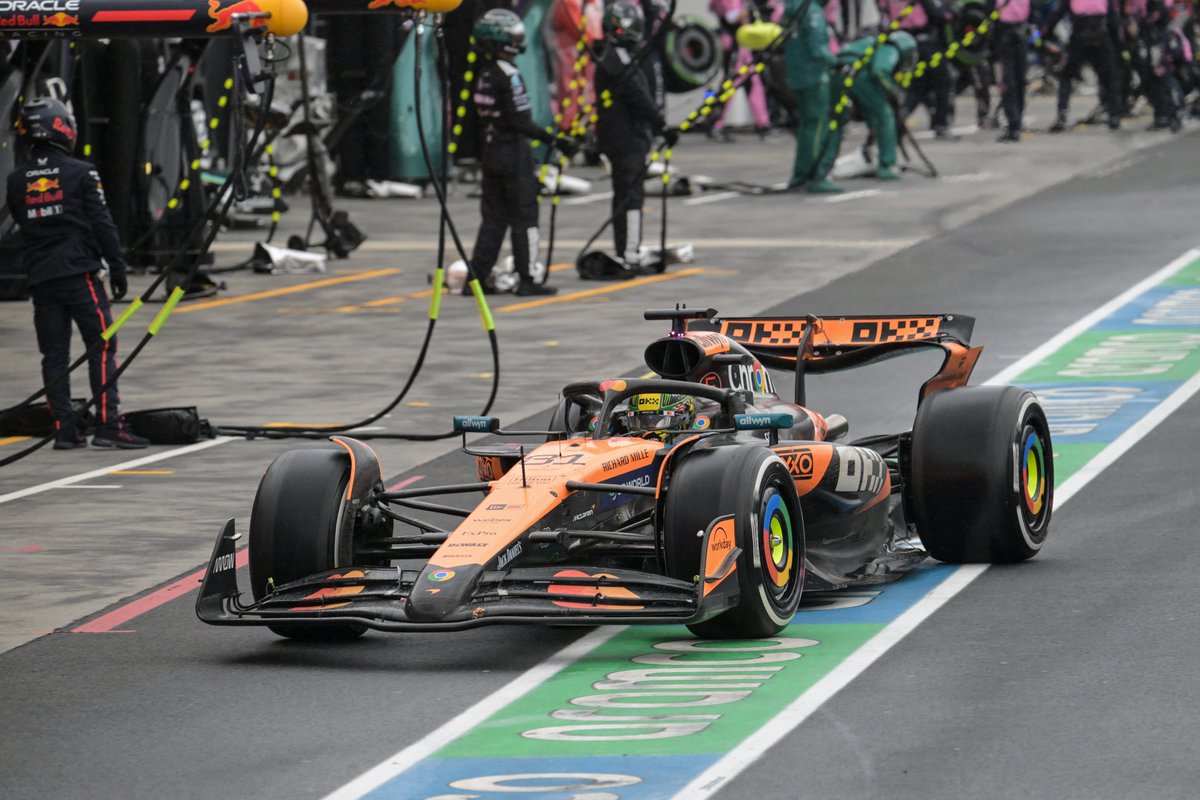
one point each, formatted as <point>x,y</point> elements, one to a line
<point>1010,48</point>
<point>627,121</point>
<point>1091,23</point>
<point>927,24</point>
<point>510,187</point>
<point>58,202</point>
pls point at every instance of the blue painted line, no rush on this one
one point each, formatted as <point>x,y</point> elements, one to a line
<point>629,778</point>
<point>892,601</point>
<point>1163,307</point>
<point>1098,412</point>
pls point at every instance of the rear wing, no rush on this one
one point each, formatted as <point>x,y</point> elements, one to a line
<point>832,343</point>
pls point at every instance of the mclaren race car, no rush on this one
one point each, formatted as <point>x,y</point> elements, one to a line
<point>699,497</point>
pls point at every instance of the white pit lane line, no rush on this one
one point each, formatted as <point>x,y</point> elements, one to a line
<point>751,749</point>
<point>711,198</point>
<point>97,473</point>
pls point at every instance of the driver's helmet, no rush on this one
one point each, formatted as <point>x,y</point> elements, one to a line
<point>655,414</point>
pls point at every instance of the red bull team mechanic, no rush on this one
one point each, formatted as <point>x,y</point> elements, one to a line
<point>59,204</point>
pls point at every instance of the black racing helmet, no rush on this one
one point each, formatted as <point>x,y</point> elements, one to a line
<point>500,33</point>
<point>624,22</point>
<point>48,120</point>
<point>652,415</point>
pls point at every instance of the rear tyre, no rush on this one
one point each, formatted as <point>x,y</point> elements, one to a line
<point>754,485</point>
<point>295,530</point>
<point>982,482</point>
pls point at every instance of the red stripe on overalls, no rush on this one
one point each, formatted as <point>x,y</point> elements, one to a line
<point>103,398</point>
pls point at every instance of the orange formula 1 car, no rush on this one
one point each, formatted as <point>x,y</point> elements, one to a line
<point>698,497</point>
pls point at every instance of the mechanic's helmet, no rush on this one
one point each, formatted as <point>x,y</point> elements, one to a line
<point>907,45</point>
<point>48,120</point>
<point>500,34</point>
<point>624,22</point>
<point>655,414</point>
<point>457,275</point>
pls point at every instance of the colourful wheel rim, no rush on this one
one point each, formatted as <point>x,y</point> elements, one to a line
<point>777,538</point>
<point>1034,474</point>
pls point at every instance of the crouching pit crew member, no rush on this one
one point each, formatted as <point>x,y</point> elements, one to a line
<point>59,204</point>
<point>509,184</point>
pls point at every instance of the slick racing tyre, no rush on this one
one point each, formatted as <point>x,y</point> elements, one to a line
<point>692,54</point>
<point>295,531</point>
<point>982,482</point>
<point>751,483</point>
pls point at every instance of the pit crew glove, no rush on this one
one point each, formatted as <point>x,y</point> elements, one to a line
<point>120,285</point>
<point>566,145</point>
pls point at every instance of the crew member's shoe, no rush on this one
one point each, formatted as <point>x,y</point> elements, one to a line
<point>887,174</point>
<point>945,135</point>
<point>1114,124</point>
<point>531,289</point>
<point>1010,136</point>
<point>1060,124</point>
<point>824,187</point>
<point>484,286</point>
<point>119,437</point>
<point>69,441</point>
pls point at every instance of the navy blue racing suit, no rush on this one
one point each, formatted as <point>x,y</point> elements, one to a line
<point>58,202</point>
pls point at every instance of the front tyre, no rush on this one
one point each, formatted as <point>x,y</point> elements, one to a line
<point>295,530</point>
<point>982,482</point>
<point>751,483</point>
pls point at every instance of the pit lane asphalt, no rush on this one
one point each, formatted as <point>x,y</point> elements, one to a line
<point>179,707</point>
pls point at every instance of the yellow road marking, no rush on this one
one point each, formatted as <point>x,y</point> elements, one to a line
<point>373,306</point>
<point>13,439</point>
<point>285,290</point>
<point>142,472</point>
<point>420,404</point>
<point>616,287</point>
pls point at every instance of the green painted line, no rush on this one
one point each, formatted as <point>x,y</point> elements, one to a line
<point>1126,353</point>
<point>168,307</point>
<point>133,308</point>
<point>758,689</point>
<point>1189,275</point>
